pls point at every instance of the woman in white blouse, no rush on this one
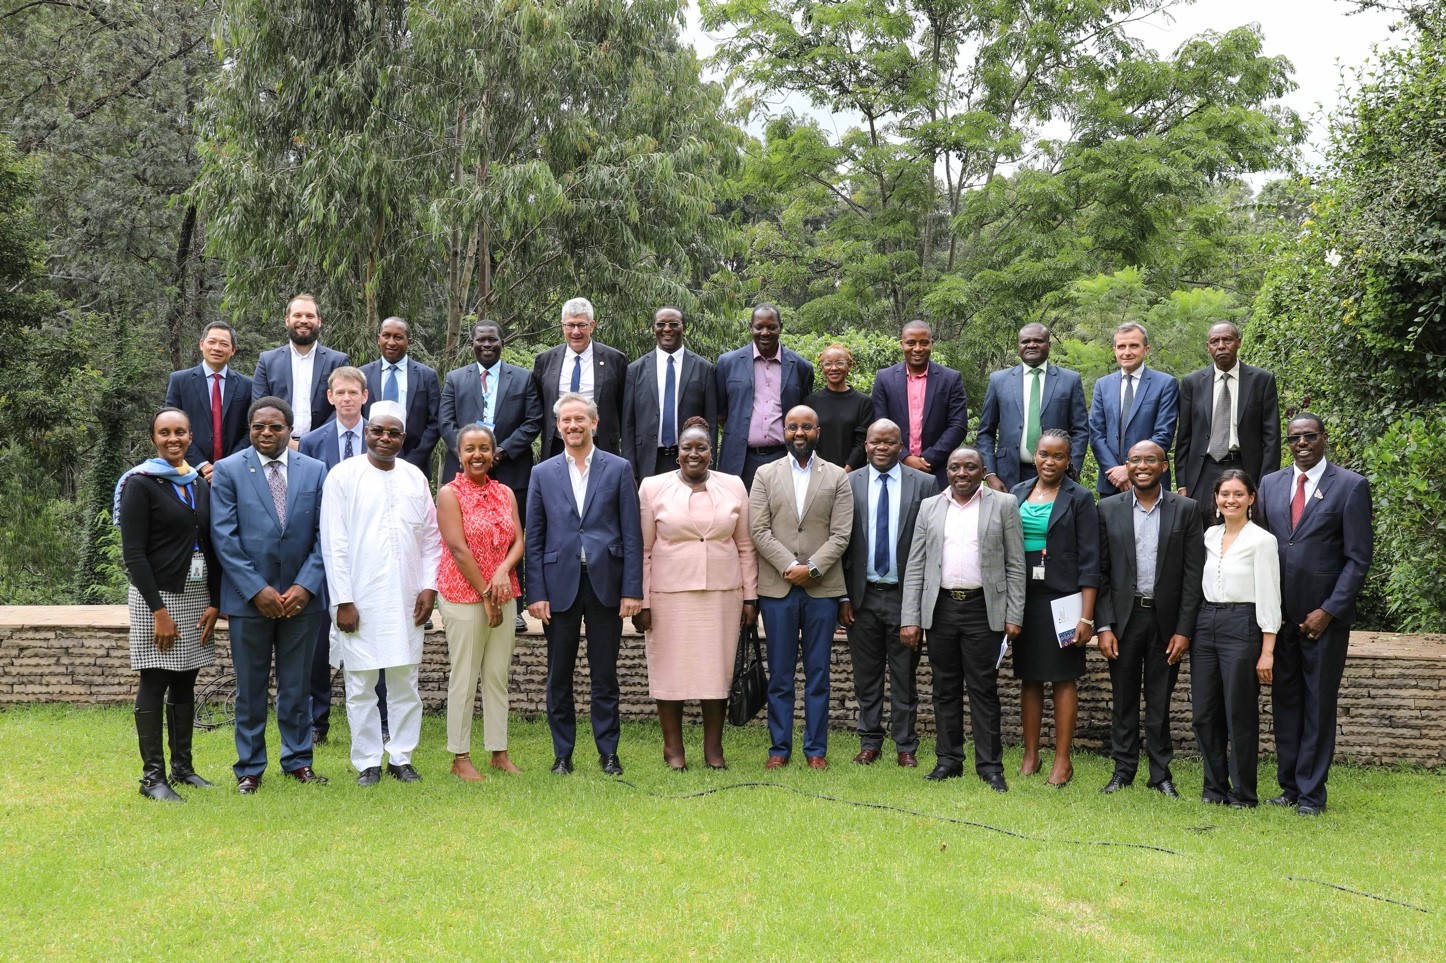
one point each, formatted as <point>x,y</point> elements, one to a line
<point>1233,651</point>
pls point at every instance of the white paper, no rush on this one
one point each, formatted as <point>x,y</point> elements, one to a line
<point>1067,613</point>
<point>1003,651</point>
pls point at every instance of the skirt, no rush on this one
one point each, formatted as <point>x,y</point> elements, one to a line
<point>186,609</point>
<point>693,644</point>
<point>1037,655</point>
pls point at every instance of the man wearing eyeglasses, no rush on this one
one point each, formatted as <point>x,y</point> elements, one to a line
<point>585,367</point>
<point>1152,558</point>
<point>1320,515</point>
<point>663,389</point>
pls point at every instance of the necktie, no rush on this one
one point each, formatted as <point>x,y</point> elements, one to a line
<point>1031,415</point>
<point>1297,503</point>
<point>1220,424</point>
<point>1125,406</point>
<point>485,401</point>
<point>576,373</point>
<point>389,390</point>
<point>348,451</point>
<point>216,417</point>
<point>670,405</point>
<point>278,491</point>
<point>881,529</point>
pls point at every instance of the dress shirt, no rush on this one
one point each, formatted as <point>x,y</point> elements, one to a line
<point>1026,454</point>
<point>225,374</point>
<point>960,565</point>
<point>663,357</point>
<point>765,427</point>
<point>801,475</point>
<point>1138,374</point>
<point>896,485</point>
<point>1249,572</point>
<point>1234,374</point>
<point>266,463</point>
<point>302,365</point>
<point>917,389</point>
<point>358,445</point>
<point>579,484</point>
<point>401,383</point>
<point>1312,479</point>
<point>1147,543</point>
<point>489,400</point>
<point>564,380</point>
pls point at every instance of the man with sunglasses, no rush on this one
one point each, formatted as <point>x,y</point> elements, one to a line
<point>663,389</point>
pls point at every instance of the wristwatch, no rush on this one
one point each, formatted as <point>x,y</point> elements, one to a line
<point>813,572</point>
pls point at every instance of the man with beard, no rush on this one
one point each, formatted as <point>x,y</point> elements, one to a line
<point>1022,402</point>
<point>297,371</point>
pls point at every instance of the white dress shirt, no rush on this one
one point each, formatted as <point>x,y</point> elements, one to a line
<point>959,563</point>
<point>1026,454</point>
<point>358,444</point>
<point>401,383</point>
<point>564,381</point>
<point>266,463</point>
<point>895,491</point>
<point>801,475</point>
<point>1312,479</point>
<point>1139,375</point>
<point>1234,374</point>
<point>302,366</point>
<point>663,357</point>
<point>578,477</point>
<point>1248,572</point>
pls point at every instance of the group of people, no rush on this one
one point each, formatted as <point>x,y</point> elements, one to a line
<point>694,497</point>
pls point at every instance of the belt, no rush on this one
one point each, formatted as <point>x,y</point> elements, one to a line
<point>1229,605</point>
<point>1231,459</point>
<point>766,449</point>
<point>884,586</point>
<point>1145,601</point>
<point>668,451</point>
<point>962,595</point>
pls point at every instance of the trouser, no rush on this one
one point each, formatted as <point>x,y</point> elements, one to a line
<point>873,645</point>
<point>963,651</point>
<point>1225,699</point>
<point>665,461</point>
<point>604,637</point>
<point>256,643</point>
<point>166,685</point>
<point>1303,696</point>
<point>475,649</point>
<point>320,682</point>
<point>1142,659</point>
<point>798,621</point>
<point>1204,490</point>
<point>363,716</point>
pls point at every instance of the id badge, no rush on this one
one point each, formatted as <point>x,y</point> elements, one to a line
<point>1037,573</point>
<point>198,569</point>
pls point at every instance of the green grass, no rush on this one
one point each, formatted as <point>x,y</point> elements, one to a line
<point>539,867</point>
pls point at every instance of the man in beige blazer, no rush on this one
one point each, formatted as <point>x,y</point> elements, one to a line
<point>964,585</point>
<point>801,511</point>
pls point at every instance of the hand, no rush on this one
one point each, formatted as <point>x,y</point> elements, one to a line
<point>207,624</point>
<point>347,617</point>
<point>1176,649</point>
<point>1119,476</point>
<point>206,471</point>
<point>541,611</point>
<point>1265,668</point>
<point>909,635</point>
<point>1315,624</point>
<point>629,607</point>
<point>797,574</point>
<point>1083,632</point>
<point>1012,632</point>
<point>846,613</point>
<point>917,462</point>
<point>493,611</point>
<point>1183,492</point>
<point>295,599</point>
<point>422,607</point>
<point>499,589</point>
<point>643,621</point>
<point>166,633</point>
<point>1109,645</point>
<point>750,612</point>
<point>993,482</point>
<point>269,603</point>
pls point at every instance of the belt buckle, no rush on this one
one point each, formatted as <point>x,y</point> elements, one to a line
<point>1145,601</point>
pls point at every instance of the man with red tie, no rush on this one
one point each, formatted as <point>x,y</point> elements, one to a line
<point>214,397</point>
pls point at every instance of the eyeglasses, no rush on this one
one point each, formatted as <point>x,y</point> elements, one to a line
<point>667,325</point>
<point>1144,460</point>
<point>1310,437</point>
<point>576,325</point>
<point>834,364</point>
<point>262,427</point>
<point>377,431</point>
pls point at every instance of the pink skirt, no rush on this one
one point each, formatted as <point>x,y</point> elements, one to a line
<point>693,643</point>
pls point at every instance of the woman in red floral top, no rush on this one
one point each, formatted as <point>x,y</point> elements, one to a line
<point>478,584</point>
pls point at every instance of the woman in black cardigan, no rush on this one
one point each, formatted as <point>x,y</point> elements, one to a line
<point>163,509</point>
<point>1062,557</point>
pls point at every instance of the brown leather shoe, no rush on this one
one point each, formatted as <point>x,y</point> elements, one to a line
<point>307,774</point>
<point>866,757</point>
<point>818,762</point>
<point>463,769</point>
<point>908,761</point>
<point>776,762</point>
<point>247,785</point>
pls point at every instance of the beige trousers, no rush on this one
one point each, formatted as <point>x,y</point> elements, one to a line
<point>475,650</point>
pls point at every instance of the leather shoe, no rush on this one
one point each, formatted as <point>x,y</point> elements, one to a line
<point>908,760</point>
<point>318,737</point>
<point>1166,788</point>
<point>1306,809</point>
<point>941,772</point>
<point>776,762</point>
<point>817,762</point>
<point>562,765</point>
<point>247,785</point>
<point>610,764</point>
<point>519,625</point>
<point>406,772</point>
<point>996,781</point>
<point>369,776</point>
<point>1283,799</point>
<point>1116,783</point>
<point>307,774</point>
<point>866,757</point>
<point>1241,804</point>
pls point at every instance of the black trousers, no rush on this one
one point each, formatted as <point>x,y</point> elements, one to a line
<point>604,637</point>
<point>667,460</point>
<point>1303,699</point>
<point>963,651</point>
<point>874,646</point>
<point>1142,659</point>
<point>1225,700</point>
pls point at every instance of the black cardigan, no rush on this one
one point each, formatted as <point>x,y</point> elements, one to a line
<point>843,420</point>
<point>158,532</point>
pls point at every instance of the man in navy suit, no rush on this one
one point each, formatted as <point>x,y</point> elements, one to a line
<point>413,385</point>
<point>926,401</point>
<point>582,366</point>
<point>214,397</point>
<point>297,371</point>
<point>663,389</point>
<point>757,385</point>
<point>265,525</point>
<point>584,563</point>
<point>1131,405</point>
<point>1023,401</point>
<point>1320,515</point>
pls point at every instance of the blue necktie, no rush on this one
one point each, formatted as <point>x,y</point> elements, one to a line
<point>576,373</point>
<point>881,529</point>
<point>670,405</point>
<point>389,390</point>
<point>348,451</point>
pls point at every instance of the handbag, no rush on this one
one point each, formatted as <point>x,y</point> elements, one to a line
<point>749,690</point>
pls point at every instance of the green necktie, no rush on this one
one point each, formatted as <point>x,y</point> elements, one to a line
<point>1031,416</point>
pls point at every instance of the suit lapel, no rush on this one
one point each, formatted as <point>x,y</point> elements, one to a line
<point>1051,385</point>
<point>1142,392</point>
<point>293,481</point>
<point>814,480</point>
<point>1167,525</point>
<point>649,387</point>
<point>1060,506</point>
<point>1327,478</point>
<point>263,488</point>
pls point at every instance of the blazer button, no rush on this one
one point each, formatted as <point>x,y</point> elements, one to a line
<point>700,539</point>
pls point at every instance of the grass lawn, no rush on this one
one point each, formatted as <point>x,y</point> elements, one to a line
<point>541,867</point>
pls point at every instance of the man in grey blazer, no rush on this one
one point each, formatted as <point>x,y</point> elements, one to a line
<point>964,585</point>
<point>887,495</point>
<point>662,390</point>
<point>583,366</point>
<point>1021,402</point>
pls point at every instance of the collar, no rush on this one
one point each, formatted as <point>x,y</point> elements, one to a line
<point>948,496</point>
<point>1042,366</point>
<point>225,371</point>
<point>586,462</point>
<point>585,354</point>
<point>492,370</point>
<point>1233,372</point>
<point>916,377</point>
<point>400,364</point>
<point>663,356</point>
<point>359,427</point>
<point>758,355</point>
<point>895,474</point>
<point>1137,373</point>
<point>1135,499</point>
<point>266,461</point>
<point>1314,474</point>
<point>805,467</point>
<point>297,354</point>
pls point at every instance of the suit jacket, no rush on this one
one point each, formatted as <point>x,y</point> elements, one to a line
<point>1152,418</point>
<point>858,560</point>
<point>252,547</point>
<point>1179,564</point>
<point>783,538</point>
<point>322,445</point>
<point>190,390</point>
<point>1323,562</point>
<point>946,413</point>
<point>609,371</point>
<point>686,550</point>
<point>273,377</point>
<point>1001,420</point>
<point>1001,560</point>
<point>517,413</point>
<point>608,530</point>
<point>1072,544</point>
<point>734,377</point>
<point>697,396</point>
<point>1257,410</point>
<point>424,398</point>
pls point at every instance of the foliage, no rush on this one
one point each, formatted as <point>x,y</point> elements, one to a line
<point>1406,465</point>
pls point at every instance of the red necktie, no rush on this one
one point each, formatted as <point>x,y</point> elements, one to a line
<point>1297,504</point>
<point>216,453</point>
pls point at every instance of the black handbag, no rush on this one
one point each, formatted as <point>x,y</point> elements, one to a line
<point>750,678</point>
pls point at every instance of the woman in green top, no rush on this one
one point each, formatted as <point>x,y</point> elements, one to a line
<point>1062,557</point>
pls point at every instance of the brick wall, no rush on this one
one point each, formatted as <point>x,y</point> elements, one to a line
<point>1392,703</point>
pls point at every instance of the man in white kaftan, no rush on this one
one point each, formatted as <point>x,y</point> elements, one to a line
<point>381,546</point>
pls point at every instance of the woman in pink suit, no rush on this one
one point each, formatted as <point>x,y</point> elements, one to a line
<point>700,585</point>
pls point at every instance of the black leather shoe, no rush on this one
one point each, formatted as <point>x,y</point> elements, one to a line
<point>247,785</point>
<point>942,772</point>
<point>318,737</point>
<point>1115,784</point>
<point>562,766</point>
<point>1306,809</point>
<point>405,772</point>
<point>610,764</point>
<point>1284,799</point>
<point>1241,804</point>
<point>307,774</point>
<point>519,625</point>
<point>1166,788</point>
<point>996,781</point>
<point>370,776</point>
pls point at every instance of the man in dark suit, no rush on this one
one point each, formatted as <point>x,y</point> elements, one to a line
<point>297,371</point>
<point>663,389</point>
<point>1320,515</point>
<point>1132,404</point>
<point>413,385</point>
<point>265,523</point>
<point>926,400</point>
<point>1152,557</point>
<point>582,366</point>
<point>1229,418</point>
<point>214,397</point>
<point>1023,401</point>
<point>887,496</point>
<point>584,564</point>
<point>757,384</point>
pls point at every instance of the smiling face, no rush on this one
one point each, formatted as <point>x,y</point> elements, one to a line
<point>1306,439</point>
<point>695,454</point>
<point>384,438</point>
<point>577,332</point>
<point>668,329</point>
<point>835,365</point>
<point>765,329</point>
<point>965,471</point>
<point>1051,459</point>
<point>918,345</point>
<point>303,321</point>
<point>476,454</point>
<point>394,340</point>
<point>171,434</point>
<point>1233,499</point>
<point>270,434</point>
<point>576,425</point>
<point>1033,344</point>
<point>883,445</point>
<point>1146,463</point>
<point>486,344</point>
<point>217,348</point>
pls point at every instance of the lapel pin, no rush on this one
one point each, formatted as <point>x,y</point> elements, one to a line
<point>1318,494</point>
